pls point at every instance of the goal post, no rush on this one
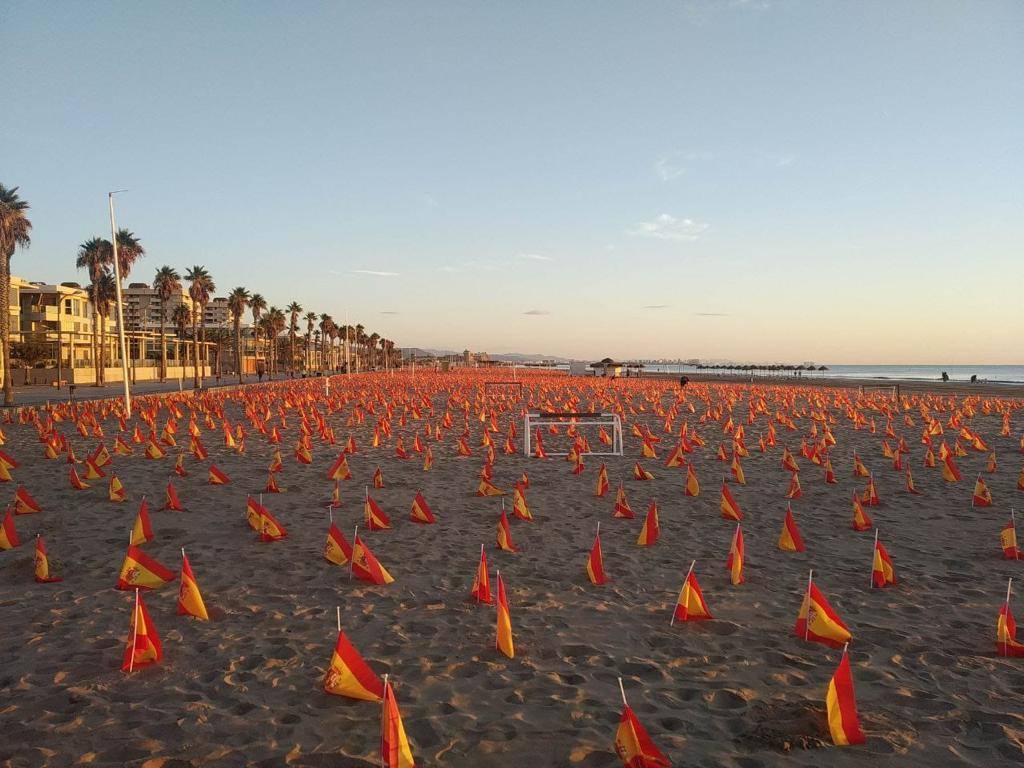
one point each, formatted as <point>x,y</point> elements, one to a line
<point>609,421</point>
<point>894,389</point>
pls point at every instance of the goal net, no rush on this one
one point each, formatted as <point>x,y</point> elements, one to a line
<point>603,432</point>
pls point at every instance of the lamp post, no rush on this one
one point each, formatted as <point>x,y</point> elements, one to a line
<point>120,307</point>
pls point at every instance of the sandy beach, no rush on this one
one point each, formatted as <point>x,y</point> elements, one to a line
<point>739,691</point>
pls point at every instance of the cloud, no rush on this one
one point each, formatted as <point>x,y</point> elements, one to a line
<point>388,312</point>
<point>656,306</point>
<point>374,272</point>
<point>534,257</point>
<point>536,312</point>
<point>449,269</point>
<point>674,164</point>
<point>711,314</point>
<point>668,227</point>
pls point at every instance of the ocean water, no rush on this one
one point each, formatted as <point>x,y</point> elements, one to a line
<point>993,373</point>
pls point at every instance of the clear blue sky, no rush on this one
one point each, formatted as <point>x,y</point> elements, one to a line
<point>759,180</point>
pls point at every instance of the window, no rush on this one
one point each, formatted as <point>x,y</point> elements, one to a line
<point>67,306</point>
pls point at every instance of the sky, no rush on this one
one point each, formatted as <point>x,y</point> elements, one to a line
<point>754,180</point>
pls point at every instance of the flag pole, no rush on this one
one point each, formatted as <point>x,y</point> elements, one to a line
<point>337,608</point>
<point>330,513</point>
<point>672,622</point>
<point>1006,628</point>
<point>497,602</point>
<point>622,690</point>
<point>383,723</point>
<point>135,632</point>
<point>352,560</point>
<point>1013,524</point>
<point>807,618</point>
<point>871,578</point>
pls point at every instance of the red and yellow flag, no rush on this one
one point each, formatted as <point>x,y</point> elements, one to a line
<point>730,509</point>
<point>24,504</point>
<point>634,747</point>
<point>639,473</point>
<point>42,564</point>
<point>115,490</point>
<point>1008,540</point>
<point>595,561</point>
<point>622,508</point>
<point>481,591</point>
<point>519,506</point>
<point>378,478</point>
<point>8,534</point>
<point>142,531</point>
<point>144,647</point>
<point>601,487</point>
<point>349,675</point>
<point>817,621</point>
<point>651,530</point>
<point>790,539</point>
<point>692,487</point>
<point>503,640</point>
<point>139,570</point>
<point>690,605</point>
<point>216,477</point>
<point>861,520</point>
<point>366,566</point>
<point>76,482</point>
<point>487,488</point>
<point>395,750</point>
<point>950,472</point>
<point>734,562</point>
<point>982,496</point>
<point>337,550</point>
<point>373,516</point>
<point>421,512</point>
<point>504,537</point>
<point>883,572</point>
<point>841,705</point>
<point>1006,632</point>
<point>190,599</point>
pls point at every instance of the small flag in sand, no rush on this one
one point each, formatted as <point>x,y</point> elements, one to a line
<point>790,539</point>
<point>171,500</point>
<point>144,645</point>
<point>519,506</point>
<point>365,566</point>
<point>395,750</point>
<point>421,512</point>
<point>692,487</point>
<point>727,504</point>
<point>632,744</point>
<point>76,482</point>
<point>481,590</point>
<point>487,488</point>
<point>883,572</point>
<point>950,472</point>
<point>861,520</point>
<point>503,641</point>
<point>216,477</point>
<point>115,490</point>
<point>909,484</point>
<point>639,473</point>
<point>651,530</point>
<point>817,622</point>
<point>190,599</point>
<point>1006,629</point>
<point>24,504</point>
<point>1008,539</point>
<point>601,486</point>
<point>504,537</point>
<point>42,564</point>
<point>841,704</point>
<point>373,516</point>
<point>337,549</point>
<point>982,496</point>
<point>622,508</point>
<point>142,531</point>
<point>595,561</point>
<point>349,675</point>
<point>690,605</point>
<point>8,534</point>
<point>734,562</point>
<point>794,491</point>
<point>141,570</point>
<point>378,478</point>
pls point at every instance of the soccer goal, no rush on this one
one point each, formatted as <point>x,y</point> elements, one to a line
<point>609,421</point>
<point>893,389</point>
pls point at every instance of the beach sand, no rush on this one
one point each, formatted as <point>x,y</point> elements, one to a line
<point>739,691</point>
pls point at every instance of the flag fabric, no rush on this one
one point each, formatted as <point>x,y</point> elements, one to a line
<point>142,531</point>
<point>622,508</point>
<point>734,562</point>
<point>504,627</point>
<point>144,647</point>
<point>651,530</point>
<point>42,564</point>
<point>841,705</point>
<point>690,605</point>
<point>601,487</point>
<point>269,527</point>
<point>692,487</point>
<point>374,516</point>
<point>421,512</point>
<point>817,621</point>
<point>519,506</point>
<point>727,504</point>
<point>861,520</point>
<point>794,491</point>
<point>190,599</point>
<point>790,539</point>
<point>883,572</point>
<point>76,482</point>
<point>395,750</point>
<point>349,674</point>
<point>171,500</point>
<point>366,566</point>
<point>909,484</point>
<point>1008,541</point>
<point>595,563</point>
<point>337,550</point>
<point>378,478</point>
<point>216,477</point>
<point>504,537</point>
<point>982,496</point>
<point>8,534</point>
<point>1006,633</point>
<point>634,747</point>
<point>487,488</point>
<point>639,473</point>
<point>24,504</point>
<point>481,591</point>
<point>115,490</point>
<point>139,570</point>
<point>950,472</point>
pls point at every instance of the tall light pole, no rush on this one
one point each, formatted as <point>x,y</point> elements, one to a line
<point>120,307</point>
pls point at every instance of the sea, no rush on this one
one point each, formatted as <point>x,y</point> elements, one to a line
<point>1009,374</point>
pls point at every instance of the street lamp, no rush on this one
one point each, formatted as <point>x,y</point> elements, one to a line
<point>120,308</point>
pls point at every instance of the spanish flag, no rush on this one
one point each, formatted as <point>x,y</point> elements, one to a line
<point>730,509</point>
<point>76,482</point>
<point>503,641</point>
<point>651,530</point>
<point>1006,631</point>
<point>93,471</point>
<point>179,466</point>
<point>639,473</point>
<point>481,591</point>
<point>950,472</point>
<point>692,487</point>
<point>677,457</point>
<point>421,512</point>
<point>519,506</point>
<point>601,487</point>
<point>794,491</point>
<point>349,675</point>
<point>337,550</point>
<point>734,562</point>
<point>139,570</point>
<point>365,566</point>
<point>395,750</point>
<point>1008,540</point>
<point>790,539</point>
<point>883,572</point>
<point>144,645</point>
<point>817,621</point>
<point>115,490</point>
<point>339,469</point>
<point>595,562</point>
<point>24,504</point>
<point>737,470</point>
<point>190,599</point>
<point>504,534</point>
<point>859,470</point>
<point>142,531</point>
<point>8,534</point>
<point>428,459</point>
<point>909,484</point>
<point>216,477</point>
<point>861,520</point>
<point>487,488</point>
<point>154,451</point>
<point>690,605</point>
<point>42,564</point>
<point>378,478</point>
<point>622,508</point>
<point>634,747</point>
<point>270,529</point>
<point>374,516</point>
<point>982,496</point>
<point>841,704</point>
<point>171,500</point>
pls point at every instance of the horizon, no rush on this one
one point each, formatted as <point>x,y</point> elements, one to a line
<point>747,180</point>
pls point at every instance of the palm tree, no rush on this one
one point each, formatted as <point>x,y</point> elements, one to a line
<point>238,299</point>
<point>266,326</point>
<point>105,292</point>
<point>277,324</point>
<point>257,304</point>
<point>129,250</point>
<point>294,310</point>
<point>360,337</point>
<point>94,255</point>
<point>371,344</point>
<point>14,233</point>
<point>167,283</point>
<point>200,288</point>
<point>310,319</point>
<point>324,320</point>
<point>181,317</point>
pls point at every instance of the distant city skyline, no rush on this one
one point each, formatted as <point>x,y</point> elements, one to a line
<point>750,180</point>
